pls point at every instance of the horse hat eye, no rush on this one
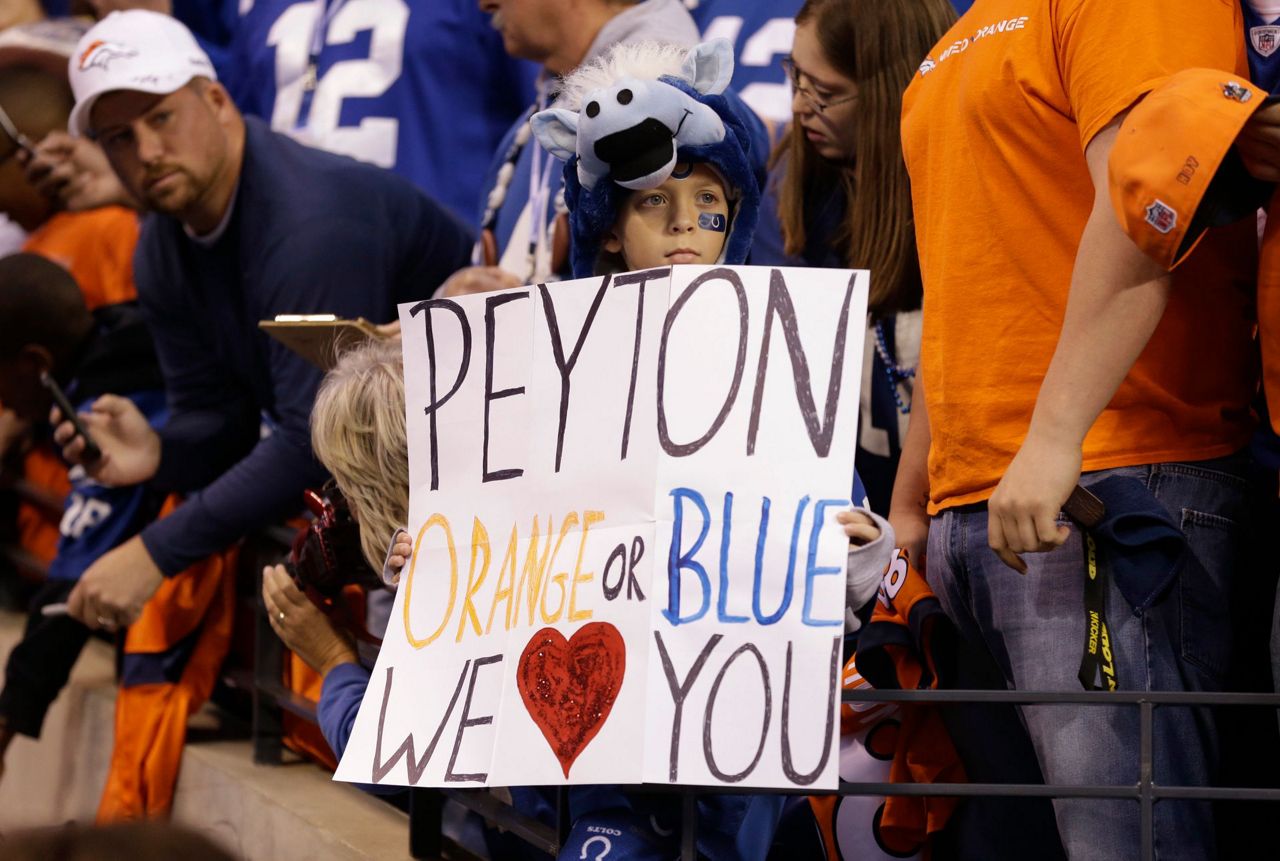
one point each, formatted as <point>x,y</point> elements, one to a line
<point>624,97</point>
<point>593,109</point>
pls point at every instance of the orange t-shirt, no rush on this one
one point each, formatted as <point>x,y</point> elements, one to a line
<point>994,129</point>
<point>96,247</point>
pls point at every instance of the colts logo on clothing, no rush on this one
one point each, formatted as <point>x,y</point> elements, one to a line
<point>927,66</point>
<point>1236,91</point>
<point>1265,39</point>
<point>100,54</point>
<point>1161,216</point>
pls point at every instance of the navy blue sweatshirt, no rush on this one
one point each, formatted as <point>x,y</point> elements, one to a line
<point>310,232</point>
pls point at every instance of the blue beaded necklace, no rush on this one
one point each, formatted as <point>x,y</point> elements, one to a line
<point>897,374</point>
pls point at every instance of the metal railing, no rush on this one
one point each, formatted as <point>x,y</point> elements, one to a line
<point>426,842</point>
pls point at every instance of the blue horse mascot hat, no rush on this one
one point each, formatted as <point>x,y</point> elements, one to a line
<point>622,123</point>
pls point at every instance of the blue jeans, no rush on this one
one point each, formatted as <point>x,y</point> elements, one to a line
<point>1034,627</point>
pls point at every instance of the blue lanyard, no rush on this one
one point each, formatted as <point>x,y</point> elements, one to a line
<point>319,35</point>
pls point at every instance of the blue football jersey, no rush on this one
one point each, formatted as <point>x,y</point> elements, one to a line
<point>1262,38</point>
<point>761,32</point>
<point>96,518</point>
<point>424,89</point>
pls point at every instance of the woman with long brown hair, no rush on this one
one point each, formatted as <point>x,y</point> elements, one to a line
<point>838,194</point>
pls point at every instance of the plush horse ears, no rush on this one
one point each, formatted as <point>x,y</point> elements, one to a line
<point>709,66</point>
<point>557,130</point>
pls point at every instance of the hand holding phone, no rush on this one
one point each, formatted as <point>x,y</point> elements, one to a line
<point>91,453</point>
<point>1084,508</point>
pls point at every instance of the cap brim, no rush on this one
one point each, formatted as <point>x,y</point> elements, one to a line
<point>1233,195</point>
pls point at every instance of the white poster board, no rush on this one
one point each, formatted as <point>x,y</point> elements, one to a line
<point>626,564</point>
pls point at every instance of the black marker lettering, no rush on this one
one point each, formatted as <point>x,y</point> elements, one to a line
<point>820,430</point>
<point>639,278</point>
<point>435,404</point>
<point>565,366</point>
<point>833,685</point>
<point>664,437</point>
<point>611,592</point>
<point>711,704</point>
<point>467,722</point>
<point>637,552</point>
<point>680,691</point>
<point>416,767</point>
<point>490,305</point>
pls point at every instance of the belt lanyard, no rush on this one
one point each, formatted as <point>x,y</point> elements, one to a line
<point>1099,658</point>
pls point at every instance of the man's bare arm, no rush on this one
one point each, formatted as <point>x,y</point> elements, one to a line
<point>1117,297</point>
<point>908,510</point>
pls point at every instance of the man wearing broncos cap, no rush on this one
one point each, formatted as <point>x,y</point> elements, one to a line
<point>244,224</point>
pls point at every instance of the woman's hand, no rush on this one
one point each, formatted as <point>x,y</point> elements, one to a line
<point>301,626</point>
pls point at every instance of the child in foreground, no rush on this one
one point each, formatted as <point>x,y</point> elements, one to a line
<point>692,197</point>
<point>640,196</point>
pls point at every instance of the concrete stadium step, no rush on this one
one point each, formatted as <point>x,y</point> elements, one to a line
<point>292,812</point>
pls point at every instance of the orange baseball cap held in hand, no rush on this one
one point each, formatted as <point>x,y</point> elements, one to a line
<point>1173,170</point>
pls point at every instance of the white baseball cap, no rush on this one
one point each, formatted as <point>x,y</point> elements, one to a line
<point>134,50</point>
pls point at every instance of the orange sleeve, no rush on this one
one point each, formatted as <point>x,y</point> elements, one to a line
<point>1112,52</point>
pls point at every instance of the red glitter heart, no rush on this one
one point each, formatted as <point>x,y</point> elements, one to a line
<point>569,686</point>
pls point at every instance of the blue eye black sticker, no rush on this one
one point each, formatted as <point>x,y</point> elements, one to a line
<point>712,221</point>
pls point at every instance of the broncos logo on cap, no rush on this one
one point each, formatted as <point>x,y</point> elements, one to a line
<point>100,54</point>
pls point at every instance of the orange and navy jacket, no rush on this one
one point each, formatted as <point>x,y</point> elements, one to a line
<point>900,650</point>
<point>172,657</point>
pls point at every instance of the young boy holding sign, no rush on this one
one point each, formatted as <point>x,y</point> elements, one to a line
<point>643,200</point>
<point>641,197</point>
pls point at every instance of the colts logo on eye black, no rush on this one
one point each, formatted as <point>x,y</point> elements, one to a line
<point>711,221</point>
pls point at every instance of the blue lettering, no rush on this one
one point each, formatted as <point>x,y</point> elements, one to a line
<point>726,529</point>
<point>811,567</point>
<point>677,562</point>
<point>788,585</point>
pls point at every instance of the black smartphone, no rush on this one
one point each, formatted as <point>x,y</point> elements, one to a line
<point>91,451</point>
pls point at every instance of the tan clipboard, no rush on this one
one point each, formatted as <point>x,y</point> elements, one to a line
<point>319,338</point>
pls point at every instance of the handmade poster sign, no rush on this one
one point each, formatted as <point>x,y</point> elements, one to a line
<point>626,564</point>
